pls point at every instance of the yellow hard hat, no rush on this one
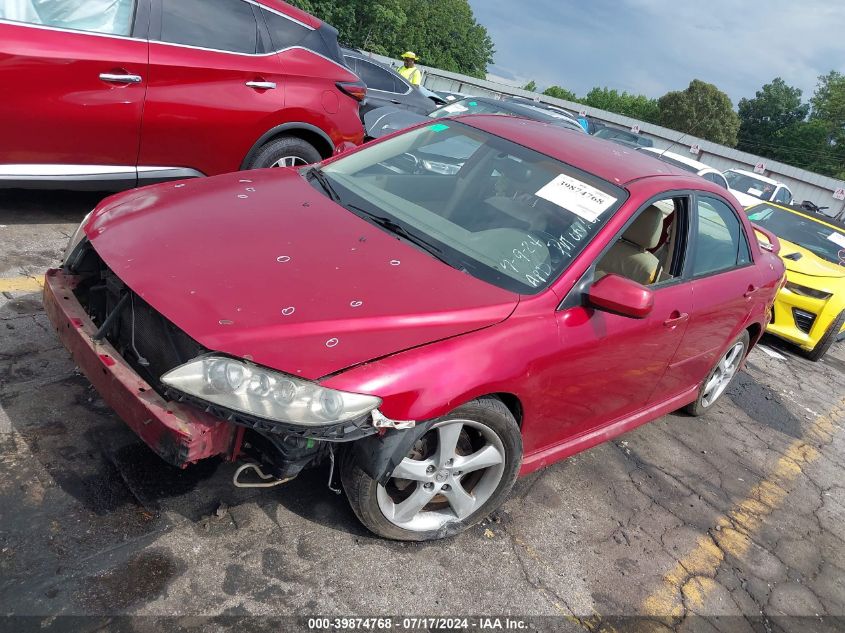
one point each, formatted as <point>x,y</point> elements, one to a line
<point>409,55</point>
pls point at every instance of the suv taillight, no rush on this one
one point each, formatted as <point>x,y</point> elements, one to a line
<point>355,89</point>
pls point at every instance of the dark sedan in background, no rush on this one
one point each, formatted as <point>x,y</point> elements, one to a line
<point>385,87</point>
<point>383,121</point>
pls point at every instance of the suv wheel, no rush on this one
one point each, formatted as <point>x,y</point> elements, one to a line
<point>285,151</point>
<point>454,476</point>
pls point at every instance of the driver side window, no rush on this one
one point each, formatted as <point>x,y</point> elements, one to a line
<point>650,251</point>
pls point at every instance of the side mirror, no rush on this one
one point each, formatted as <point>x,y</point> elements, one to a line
<point>771,243</point>
<point>619,295</point>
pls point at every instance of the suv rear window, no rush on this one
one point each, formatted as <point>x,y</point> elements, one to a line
<point>227,25</point>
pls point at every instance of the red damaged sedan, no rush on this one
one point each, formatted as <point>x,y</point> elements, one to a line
<point>436,313</point>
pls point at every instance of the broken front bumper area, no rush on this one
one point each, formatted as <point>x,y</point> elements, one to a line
<point>179,428</point>
<point>180,434</point>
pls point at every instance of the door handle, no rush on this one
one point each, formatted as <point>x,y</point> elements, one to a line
<point>750,292</point>
<point>262,85</point>
<point>676,318</point>
<point>120,78</point>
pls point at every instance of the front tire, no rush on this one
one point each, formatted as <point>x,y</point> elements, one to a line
<point>828,339</point>
<point>455,475</point>
<point>720,377</point>
<point>285,151</point>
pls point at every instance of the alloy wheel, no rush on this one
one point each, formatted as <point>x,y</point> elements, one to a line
<point>449,474</point>
<point>289,161</point>
<point>724,373</point>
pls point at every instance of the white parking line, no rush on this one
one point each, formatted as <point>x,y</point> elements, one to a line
<point>771,352</point>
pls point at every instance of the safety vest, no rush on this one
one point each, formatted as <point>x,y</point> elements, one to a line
<point>413,75</point>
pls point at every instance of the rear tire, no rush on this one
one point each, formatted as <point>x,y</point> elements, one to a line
<point>457,486</point>
<point>828,339</point>
<point>720,377</point>
<point>285,151</point>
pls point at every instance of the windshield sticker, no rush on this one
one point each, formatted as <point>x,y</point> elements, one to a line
<point>577,197</point>
<point>439,127</point>
<point>455,107</point>
<point>473,103</point>
<point>837,238</point>
<point>755,192</point>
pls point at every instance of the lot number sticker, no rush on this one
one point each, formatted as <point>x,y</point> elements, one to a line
<point>695,149</point>
<point>635,129</point>
<point>578,197</point>
<point>839,194</point>
<point>760,168</point>
<point>837,238</point>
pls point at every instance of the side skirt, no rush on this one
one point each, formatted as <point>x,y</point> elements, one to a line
<point>547,456</point>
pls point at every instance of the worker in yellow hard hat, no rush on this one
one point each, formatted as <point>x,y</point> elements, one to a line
<point>409,70</point>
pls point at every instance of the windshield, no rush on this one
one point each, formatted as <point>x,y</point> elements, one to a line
<point>496,210</point>
<point>819,238</point>
<point>622,135</point>
<point>750,185</point>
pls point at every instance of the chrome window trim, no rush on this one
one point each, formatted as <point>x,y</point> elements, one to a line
<point>38,171</point>
<point>271,10</point>
<point>60,29</point>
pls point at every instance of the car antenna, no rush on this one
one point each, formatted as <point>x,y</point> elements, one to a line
<point>684,135</point>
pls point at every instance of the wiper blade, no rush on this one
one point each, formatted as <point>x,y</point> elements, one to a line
<point>396,228</point>
<point>317,174</point>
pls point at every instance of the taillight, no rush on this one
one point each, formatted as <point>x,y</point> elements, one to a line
<point>355,89</point>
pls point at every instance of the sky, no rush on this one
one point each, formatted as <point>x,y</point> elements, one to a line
<point>653,46</point>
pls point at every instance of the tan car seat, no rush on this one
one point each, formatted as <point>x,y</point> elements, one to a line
<point>629,257</point>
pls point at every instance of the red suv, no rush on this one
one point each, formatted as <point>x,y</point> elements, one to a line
<point>109,94</point>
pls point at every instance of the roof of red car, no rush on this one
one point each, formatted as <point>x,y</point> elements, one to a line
<point>291,11</point>
<point>605,159</point>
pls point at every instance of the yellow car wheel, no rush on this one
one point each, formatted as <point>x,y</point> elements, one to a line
<point>828,339</point>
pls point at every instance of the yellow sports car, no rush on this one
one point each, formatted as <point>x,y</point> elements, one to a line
<point>810,309</point>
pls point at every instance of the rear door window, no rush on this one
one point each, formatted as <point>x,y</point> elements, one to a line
<point>375,77</point>
<point>112,17</point>
<point>225,25</point>
<point>284,32</point>
<point>720,242</point>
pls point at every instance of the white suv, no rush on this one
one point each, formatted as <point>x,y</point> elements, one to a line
<point>749,188</point>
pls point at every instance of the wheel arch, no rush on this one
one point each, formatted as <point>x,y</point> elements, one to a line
<point>755,333</point>
<point>298,129</point>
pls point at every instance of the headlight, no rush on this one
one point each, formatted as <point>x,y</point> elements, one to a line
<point>75,240</point>
<point>265,393</point>
<point>804,291</point>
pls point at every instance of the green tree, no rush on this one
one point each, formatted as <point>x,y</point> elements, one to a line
<point>703,110</point>
<point>560,93</point>
<point>531,86</point>
<point>773,112</point>
<point>636,106</point>
<point>828,115</point>
<point>443,33</point>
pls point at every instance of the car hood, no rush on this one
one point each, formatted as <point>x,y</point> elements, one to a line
<point>809,263</point>
<point>260,265</point>
<point>383,121</point>
<point>745,199</point>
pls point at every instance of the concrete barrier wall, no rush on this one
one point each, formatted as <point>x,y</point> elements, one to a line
<point>805,185</point>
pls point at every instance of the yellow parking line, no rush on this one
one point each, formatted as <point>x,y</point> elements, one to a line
<point>691,580</point>
<point>20,284</point>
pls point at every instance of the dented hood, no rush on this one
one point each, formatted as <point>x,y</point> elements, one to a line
<point>261,265</point>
